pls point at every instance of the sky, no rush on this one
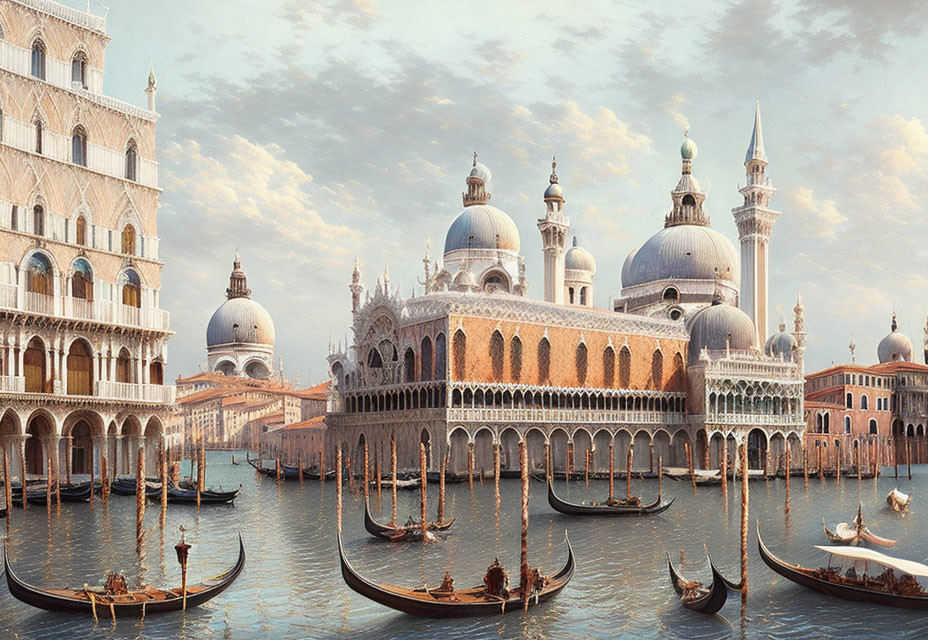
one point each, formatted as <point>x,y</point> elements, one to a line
<point>304,133</point>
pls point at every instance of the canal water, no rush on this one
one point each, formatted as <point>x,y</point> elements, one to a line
<point>292,588</point>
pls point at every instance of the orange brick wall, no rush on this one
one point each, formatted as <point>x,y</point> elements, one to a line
<point>564,341</point>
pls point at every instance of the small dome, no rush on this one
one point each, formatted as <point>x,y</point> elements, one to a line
<point>481,171</point>
<point>688,149</point>
<point>554,190</point>
<point>485,223</point>
<point>464,279</point>
<point>682,252</point>
<point>711,327</point>
<point>579,258</point>
<point>895,347</point>
<point>240,320</point>
<point>780,344</point>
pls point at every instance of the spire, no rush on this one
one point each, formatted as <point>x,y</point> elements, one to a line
<point>894,325</point>
<point>476,185</point>
<point>355,287</point>
<point>238,283</point>
<point>852,347</point>
<point>554,194</point>
<point>152,87</point>
<point>553,178</point>
<point>756,146</point>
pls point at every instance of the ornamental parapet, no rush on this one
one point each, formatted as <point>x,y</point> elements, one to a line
<point>566,416</point>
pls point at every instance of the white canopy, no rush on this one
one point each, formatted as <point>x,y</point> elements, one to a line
<point>916,569</point>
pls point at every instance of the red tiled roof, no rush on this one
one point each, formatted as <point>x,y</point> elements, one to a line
<point>317,423</point>
<point>313,393</point>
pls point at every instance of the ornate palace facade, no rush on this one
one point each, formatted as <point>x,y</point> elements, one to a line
<point>474,363</point>
<point>83,340</point>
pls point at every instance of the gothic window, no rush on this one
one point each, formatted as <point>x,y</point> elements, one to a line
<point>80,369</point>
<point>426,359</point>
<point>459,348</point>
<point>38,136</point>
<point>34,366</point>
<point>79,71</point>
<point>132,161</point>
<point>657,369</point>
<point>374,360</point>
<point>676,376</point>
<point>849,401</point>
<point>79,146</point>
<point>544,361</point>
<point>497,352</point>
<point>864,402</point>
<point>80,231</point>
<point>847,424</point>
<point>625,368</point>
<point>38,220</point>
<point>82,280</point>
<point>409,365</point>
<point>515,359</point>
<point>581,358</point>
<point>496,280</point>
<point>39,275</point>
<point>609,367</point>
<point>873,427</point>
<point>128,239</point>
<point>38,60</point>
<point>826,423</point>
<point>441,351</point>
<point>583,296</point>
<point>131,289</point>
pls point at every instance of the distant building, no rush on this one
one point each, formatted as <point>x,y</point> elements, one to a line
<point>83,338</point>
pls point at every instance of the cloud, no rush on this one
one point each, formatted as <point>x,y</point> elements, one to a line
<point>672,108</point>
<point>821,217</point>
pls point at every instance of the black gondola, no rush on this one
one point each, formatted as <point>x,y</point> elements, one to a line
<point>658,506</point>
<point>396,534</point>
<point>452,603</point>
<point>187,496</point>
<point>75,493</point>
<point>872,589</point>
<point>134,603</point>
<point>694,596</point>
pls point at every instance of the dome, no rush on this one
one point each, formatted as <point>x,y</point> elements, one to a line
<point>895,347</point>
<point>711,327</point>
<point>464,279</point>
<point>579,258</point>
<point>554,190</point>
<point>240,320</point>
<point>682,252</point>
<point>481,171</point>
<point>485,223</point>
<point>782,343</point>
<point>688,149</point>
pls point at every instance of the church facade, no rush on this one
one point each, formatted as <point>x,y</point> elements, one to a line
<point>474,363</point>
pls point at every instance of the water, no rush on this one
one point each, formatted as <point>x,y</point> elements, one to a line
<point>292,588</point>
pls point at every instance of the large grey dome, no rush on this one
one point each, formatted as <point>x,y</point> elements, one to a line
<point>240,320</point>
<point>682,252</point>
<point>485,223</point>
<point>711,327</point>
<point>627,266</point>
<point>895,347</point>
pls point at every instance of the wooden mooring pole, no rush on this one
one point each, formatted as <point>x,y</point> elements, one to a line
<point>525,579</point>
<point>723,467</point>
<point>628,473</point>
<point>140,499</point>
<point>786,507</point>
<point>689,462</point>
<point>744,524</point>
<point>424,480</point>
<point>470,465</point>
<point>393,466</point>
<point>611,473</point>
<point>441,489</point>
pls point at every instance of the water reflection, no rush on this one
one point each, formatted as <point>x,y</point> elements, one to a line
<point>292,588</point>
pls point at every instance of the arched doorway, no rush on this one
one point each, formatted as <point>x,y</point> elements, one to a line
<point>80,369</point>
<point>757,449</point>
<point>39,429</point>
<point>81,444</point>
<point>123,366</point>
<point>34,366</point>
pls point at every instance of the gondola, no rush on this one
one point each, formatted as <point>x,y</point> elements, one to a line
<point>855,533</point>
<point>140,602</point>
<point>694,596</point>
<point>76,493</point>
<point>898,501</point>
<point>260,468</point>
<point>447,602</point>
<point>658,506</point>
<point>186,496</point>
<point>894,592</point>
<point>396,534</point>
<point>126,487</point>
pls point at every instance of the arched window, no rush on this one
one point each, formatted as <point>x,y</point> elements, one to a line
<point>38,136</point>
<point>39,275</point>
<point>128,240</point>
<point>38,60</point>
<point>826,423</point>
<point>426,358</point>
<point>80,231</point>
<point>583,296</point>
<point>80,369</point>
<point>609,367</point>
<point>625,368</point>
<point>581,361</point>
<point>849,401</point>
<point>124,366</point>
<point>132,160</point>
<point>544,361</point>
<point>82,280</point>
<point>441,351</point>
<point>657,369</point>
<point>131,289</point>
<point>38,220</point>
<point>409,365</point>
<point>677,375</point>
<point>156,372</point>
<point>497,352</point>
<point>873,427</point>
<point>459,348</point>
<point>515,359</point>
<point>864,402</point>
<point>374,359</point>
<point>671,293</point>
<point>79,71</point>
<point>79,146</point>
<point>570,295</point>
<point>34,366</point>
<point>689,201</point>
<point>847,424</point>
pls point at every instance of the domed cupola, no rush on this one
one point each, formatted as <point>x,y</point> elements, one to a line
<point>719,327</point>
<point>579,259</point>
<point>896,347</point>
<point>579,270</point>
<point>781,344</point>
<point>687,196</point>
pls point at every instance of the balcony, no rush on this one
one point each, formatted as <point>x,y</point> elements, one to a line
<point>136,392</point>
<point>566,416</point>
<point>80,309</point>
<point>14,384</point>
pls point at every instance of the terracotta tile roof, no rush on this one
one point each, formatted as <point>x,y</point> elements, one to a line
<point>819,404</point>
<point>317,423</point>
<point>202,396</point>
<point>313,393</point>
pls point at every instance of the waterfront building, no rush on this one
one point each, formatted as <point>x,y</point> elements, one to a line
<point>473,363</point>
<point>83,339</point>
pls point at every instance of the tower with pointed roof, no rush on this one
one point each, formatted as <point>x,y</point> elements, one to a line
<point>553,228</point>
<point>755,220</point>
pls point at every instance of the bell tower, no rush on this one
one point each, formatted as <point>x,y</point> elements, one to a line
<point>553,228</point>
<point>755,221</point>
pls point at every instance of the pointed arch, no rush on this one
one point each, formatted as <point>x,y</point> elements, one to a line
<point>515,359</point>
<point>409,365</point>
<point>657,369</point>
<point>497,353</point>
<point>459,353</point>
<point>441,356</point>
<point>544,360</point>
<point>425,359</point>
<point>625,367</point>
<point>80,230</point>
<point>581,363</point>
<point>132,160</point>
<point>609,367</point>
<point>127,244</point>
<point>79,145</point>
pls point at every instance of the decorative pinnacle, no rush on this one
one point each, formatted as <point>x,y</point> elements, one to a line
<point>894,325</point>
<point>152,81</point>
<point>553,178</point>
<point>475,157</point>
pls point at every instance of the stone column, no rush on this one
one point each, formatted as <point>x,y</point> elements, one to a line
<point>117,458</point>
<point>69,456</point>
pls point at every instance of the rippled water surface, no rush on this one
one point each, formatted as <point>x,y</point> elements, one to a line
<point>292,588</point>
